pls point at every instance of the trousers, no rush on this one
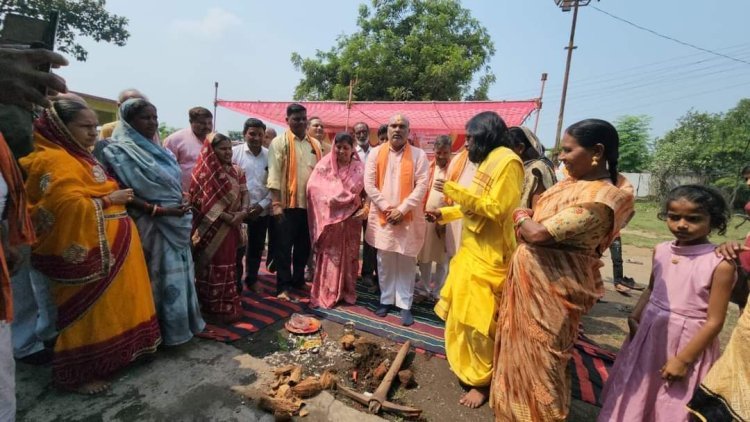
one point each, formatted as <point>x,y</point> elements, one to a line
<point>396,273</point>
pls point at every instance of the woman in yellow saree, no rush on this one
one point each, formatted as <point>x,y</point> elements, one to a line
<point>88,247</point>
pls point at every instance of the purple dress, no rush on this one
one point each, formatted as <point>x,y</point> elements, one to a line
<point>675,312</point>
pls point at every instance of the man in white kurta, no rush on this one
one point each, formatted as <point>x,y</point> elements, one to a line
<point>396,224</point>
<point>434,248</point>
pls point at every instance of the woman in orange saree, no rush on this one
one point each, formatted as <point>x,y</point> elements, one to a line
<point>220,199</point>
<point>554,276</point>
<point>88,247</point>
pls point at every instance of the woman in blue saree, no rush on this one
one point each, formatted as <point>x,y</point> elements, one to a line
<point>162,218</point>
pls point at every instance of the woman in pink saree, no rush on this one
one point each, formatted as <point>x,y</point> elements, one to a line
<point>335,211</point>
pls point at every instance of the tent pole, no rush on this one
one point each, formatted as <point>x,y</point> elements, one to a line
<point>349,105</point>
<point>541,96</point>
<point>216,102</point>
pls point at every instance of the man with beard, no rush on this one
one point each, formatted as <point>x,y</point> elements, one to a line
<point>468,300</point>
<point>291,159</point>
<point>396,178</point>
<point>186,144</point>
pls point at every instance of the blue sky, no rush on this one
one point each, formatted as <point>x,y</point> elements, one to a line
<point>177,50</point>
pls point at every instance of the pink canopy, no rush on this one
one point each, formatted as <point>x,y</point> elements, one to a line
<point>426,118</point>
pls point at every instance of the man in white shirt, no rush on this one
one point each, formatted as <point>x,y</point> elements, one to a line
<point>369,254</point>
<point>252,157</point>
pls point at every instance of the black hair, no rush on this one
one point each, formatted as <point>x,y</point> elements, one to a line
<point>196,113</point>
<point>590,132</point>
<point>442,141</point>
<point>382,130</point>
<point>707,199</point>
<point>219,137</point>
<point>344,137</point>
<point>67,110</point>
<point>295,108</point>
<point>518,137</point>
<point>745,170</point>
<point>139,104</point>
<point>488,131</point>
<point>253,122</point>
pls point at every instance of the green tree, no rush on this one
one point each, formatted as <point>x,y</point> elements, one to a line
<point>712,146</point>
<point>77,18</point>
<point>428,50</point>
<point>634,143</point>
<point>235,135</point>
<point>165,130</point>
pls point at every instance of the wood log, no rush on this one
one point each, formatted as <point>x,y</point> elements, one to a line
<point>309,387</point>
<point>280,405</point>
<point>379,372</point>
<point>284,370</point>
<point>284,392</point>
<point>295,376</point>
<point>328,379</point>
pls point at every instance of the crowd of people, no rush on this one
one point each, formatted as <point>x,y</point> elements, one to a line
<point>116,243</point>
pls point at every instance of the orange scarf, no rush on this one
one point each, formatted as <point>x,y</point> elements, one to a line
<point>291,166</point>
<point>405,176</point>
<point>429,186</point>
<point>454,172</point>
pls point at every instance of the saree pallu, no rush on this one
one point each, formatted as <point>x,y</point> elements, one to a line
<point>216,190</point>
<point>106,316</point>
<point>549,289</point>
<point>724,394</point>
<point>154,175</point>
<point>333,196</point>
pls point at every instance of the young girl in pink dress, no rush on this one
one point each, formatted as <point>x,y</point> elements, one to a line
<point>674,327</point>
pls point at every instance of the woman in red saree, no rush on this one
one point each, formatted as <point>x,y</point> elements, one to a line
<point>88,247</point>
<point>335,214</point>
<point>219,198</point>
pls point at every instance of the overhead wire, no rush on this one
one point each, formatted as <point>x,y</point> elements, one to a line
<point>667,37</point>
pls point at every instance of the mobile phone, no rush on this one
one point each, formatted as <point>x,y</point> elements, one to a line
<point>25,32</point>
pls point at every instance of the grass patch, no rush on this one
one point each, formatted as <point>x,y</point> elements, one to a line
<point>646,230</point>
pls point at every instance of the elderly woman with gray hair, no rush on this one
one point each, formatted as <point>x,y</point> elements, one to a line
<point>162,218</point>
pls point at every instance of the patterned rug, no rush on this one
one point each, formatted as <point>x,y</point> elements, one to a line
<point>259,311</point>
<point>426,334</point>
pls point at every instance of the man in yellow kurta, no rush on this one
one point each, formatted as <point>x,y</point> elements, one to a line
<point>468,300</point>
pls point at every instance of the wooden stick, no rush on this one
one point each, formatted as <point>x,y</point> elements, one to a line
<point>380,395</point>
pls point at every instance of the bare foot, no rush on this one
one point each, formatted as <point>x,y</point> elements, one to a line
<point>475,398</point>
<point>93,388</point>
<point>283,296</point>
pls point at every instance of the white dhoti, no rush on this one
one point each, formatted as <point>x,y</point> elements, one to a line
<point>396,273</point>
